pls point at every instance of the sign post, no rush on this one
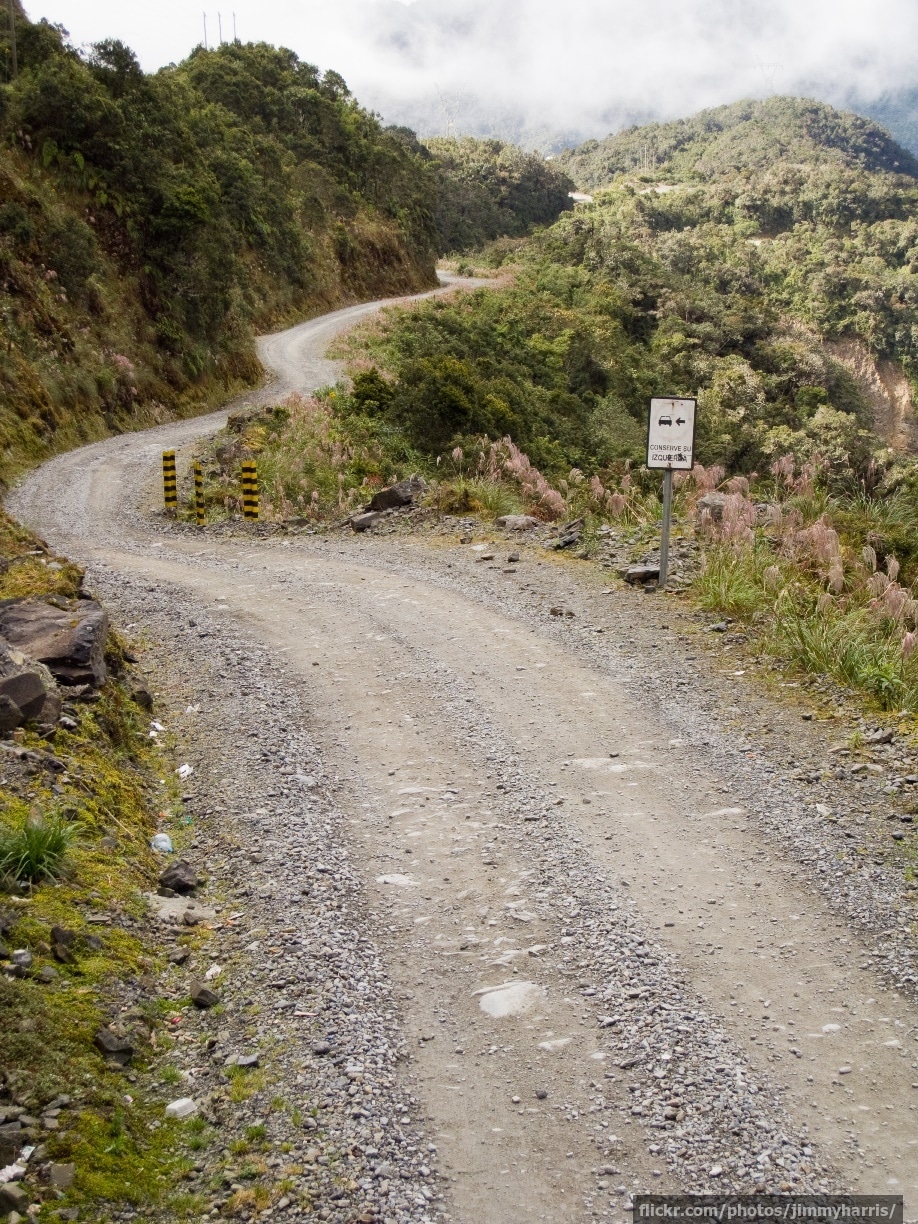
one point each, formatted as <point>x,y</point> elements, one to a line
<point>670,448</point>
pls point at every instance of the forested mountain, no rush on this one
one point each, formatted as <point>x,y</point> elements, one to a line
<point>765,261</point>
<point>489,188</point>
<point>151,224</point>
<point>742,139</point>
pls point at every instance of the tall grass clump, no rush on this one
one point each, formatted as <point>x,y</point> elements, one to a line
<point>738,582</point>
<point>36,849</point>
<point>823,602</point>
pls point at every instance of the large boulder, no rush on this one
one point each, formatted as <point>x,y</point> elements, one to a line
<point>714,503</point>
<point>401,494</point>
<point>27,690</point>
<point>69,640</point>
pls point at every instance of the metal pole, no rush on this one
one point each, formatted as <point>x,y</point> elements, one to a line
<point>664,531</point>
<point>15,64</point>
<point>219,29</point>
<point>205,31</point>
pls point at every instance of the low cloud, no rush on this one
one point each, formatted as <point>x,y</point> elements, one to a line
<point>581,67</point>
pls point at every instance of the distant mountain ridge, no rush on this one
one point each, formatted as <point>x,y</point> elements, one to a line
<point>748,136</point>
<point>470,115</point>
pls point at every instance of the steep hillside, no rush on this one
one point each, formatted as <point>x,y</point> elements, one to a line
<point>149,224</point>
<point>489,188</point>
<point>750,286</point>
<point>741,139</point>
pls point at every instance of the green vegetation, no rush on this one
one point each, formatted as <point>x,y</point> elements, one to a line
<point>150,225</point>
<point>489,189</point>
<point>724,273</point>
<point>811,597</point>
<point>77,810</point>
<point>743,141</point>
<point>36,849</point>
<point>764,233</point>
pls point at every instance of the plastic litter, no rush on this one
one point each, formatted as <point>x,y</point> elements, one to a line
<point>163,843</point>
<point>184,771</point>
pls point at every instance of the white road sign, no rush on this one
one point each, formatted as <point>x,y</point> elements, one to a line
<point>671,434</point>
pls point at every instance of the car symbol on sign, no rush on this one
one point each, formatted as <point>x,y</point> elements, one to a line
<point>665,420</point>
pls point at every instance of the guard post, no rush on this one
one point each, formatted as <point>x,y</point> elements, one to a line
<point>170,484</point>
<point>670,448</point>
<point>199,494</point>
<point>249,491</point>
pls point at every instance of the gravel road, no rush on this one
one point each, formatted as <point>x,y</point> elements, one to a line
<point>522,913</point>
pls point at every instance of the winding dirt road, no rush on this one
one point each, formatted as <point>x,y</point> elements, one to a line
<point>612,975</point>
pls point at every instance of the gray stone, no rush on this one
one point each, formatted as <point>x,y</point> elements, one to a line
<point>27,690</point>
<point>70,641</point>
<point>117,1049</point>
<point>638,575</point>
<point>10,1143</point>
<point>879,737</point>
<point>362,522</point>
<point>62,942</point>
<point>202,996</point>
<point>180,876</point>
<point>714,503</point>
<point>401,494</point>
<point>13,1197</point>
<point>569,534</point>
<point>61,1176</point>
<point>184,1107</point>
<point>143,698</point>
<point>10,714</point>
<point>517,522</point>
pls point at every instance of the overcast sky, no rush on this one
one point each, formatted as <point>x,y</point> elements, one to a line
<point>578,65</point>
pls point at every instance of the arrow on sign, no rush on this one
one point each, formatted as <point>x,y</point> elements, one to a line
<point>680,421</point>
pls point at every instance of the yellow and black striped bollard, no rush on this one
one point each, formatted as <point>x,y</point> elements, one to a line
<point>170,484</point>
<point>199,494</point>
<point>249,491</point>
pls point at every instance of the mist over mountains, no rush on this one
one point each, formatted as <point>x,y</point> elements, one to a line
<point>549,76</point>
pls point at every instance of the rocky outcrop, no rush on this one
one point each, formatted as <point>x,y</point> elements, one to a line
<point>886,389</point>
<point>713,503</point>
<point>69,640</point>
<point>27,690</point>
<point>401,494</point>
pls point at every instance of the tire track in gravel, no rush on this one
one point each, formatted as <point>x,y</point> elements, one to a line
<point>462,725</point>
